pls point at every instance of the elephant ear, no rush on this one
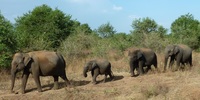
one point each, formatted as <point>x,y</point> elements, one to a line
<point>27,59</point>
<point>94,65</point>
<point>139,55</point>
<point>176,49</point>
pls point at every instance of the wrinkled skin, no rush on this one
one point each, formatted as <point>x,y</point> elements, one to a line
<point>38,63</point>
<point>140,58</point>
<point>98,67</point>
<point>182,54</point>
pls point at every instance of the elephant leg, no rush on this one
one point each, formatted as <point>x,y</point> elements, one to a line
<point>148,68</point>
<point>190,61</point>
<point>37,81</point>
<point>137,69</point>
<point>141,70</point>
<point>64,77</point>
<point>105,78</point>
<point>111,76</point>
<point>132,69</point>
<point>55,87</point>
<point>95,74</point>
<point>171,62</point>
<point>24,81</point>
<point>178,64</point>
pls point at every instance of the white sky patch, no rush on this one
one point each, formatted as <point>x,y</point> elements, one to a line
<point>117,8</point>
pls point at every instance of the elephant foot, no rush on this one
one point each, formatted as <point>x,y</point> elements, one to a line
<point>12,91</point>
<point>94,83</point>
<point>135,75</point>
<point>112,79</point>
<point>22,91</point>
<point>68,84</point>
<point>55,88</point>
<point>141,74</point>
<point>39,90</point>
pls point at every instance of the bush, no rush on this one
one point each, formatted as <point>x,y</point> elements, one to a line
<point>78,45</point>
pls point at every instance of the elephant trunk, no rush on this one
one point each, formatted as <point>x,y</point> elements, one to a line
<point>85,70</point>
<point>13,75</point>
<point>166,60</point>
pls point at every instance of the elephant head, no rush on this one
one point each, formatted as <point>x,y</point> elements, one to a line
<point>89,67</point>
<point>135,55</point>
<point>170,50</point>
<point>19,62</point>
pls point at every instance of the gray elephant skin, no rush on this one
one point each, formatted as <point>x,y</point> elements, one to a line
<point>98,67</point>
<point>180,53</point>
<point>38,63</point>
<point>140,58</point>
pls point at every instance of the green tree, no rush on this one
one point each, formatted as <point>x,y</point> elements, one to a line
<point>144,30</point>
<point>81,28</point>
<point>106,30</point>
<point>42,28</point>
<point>7,42</point>
<point>185,30</point>
<point>144,25</point>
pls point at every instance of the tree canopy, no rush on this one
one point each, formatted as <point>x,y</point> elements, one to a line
<point>44,25</point>
<point>106,30</point>
<point>186,30</point>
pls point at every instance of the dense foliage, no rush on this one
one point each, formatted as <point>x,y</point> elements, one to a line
<point>186,30</point>
<point>7,42</point>
<point>45,28</point>
<point>42,28</point>
<point>147,33</point>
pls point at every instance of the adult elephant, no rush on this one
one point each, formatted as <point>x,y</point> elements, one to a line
<point>38,63</point>
<point>140,58</point>
<point>98,67</point>
<point>181,53</point>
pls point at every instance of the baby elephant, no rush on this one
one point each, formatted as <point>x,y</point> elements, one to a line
<point>98,67</point>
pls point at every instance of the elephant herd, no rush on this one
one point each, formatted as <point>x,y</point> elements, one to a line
<point>47,63</point>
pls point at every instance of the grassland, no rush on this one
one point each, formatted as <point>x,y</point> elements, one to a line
<point>155,85</point>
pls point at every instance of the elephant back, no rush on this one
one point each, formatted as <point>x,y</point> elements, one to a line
<point>149,55</point>
<point>48,60</point>
<point>102,62</point>
<point>147,52</point>
<point>185,47</point>
<point>187,51</point>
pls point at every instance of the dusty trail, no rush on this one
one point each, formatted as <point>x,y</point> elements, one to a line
<point>156,86</point>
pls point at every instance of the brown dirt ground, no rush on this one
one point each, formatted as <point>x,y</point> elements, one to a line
<point>155,85</point>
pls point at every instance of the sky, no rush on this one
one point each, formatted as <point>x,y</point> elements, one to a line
<point>119,13</point>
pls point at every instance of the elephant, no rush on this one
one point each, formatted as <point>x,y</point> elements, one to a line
<point>38,63</point>
<point>180,53</point>
<point>140,58</point>
<point>98,67</point>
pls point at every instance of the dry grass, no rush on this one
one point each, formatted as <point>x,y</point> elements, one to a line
<point>179,85</point>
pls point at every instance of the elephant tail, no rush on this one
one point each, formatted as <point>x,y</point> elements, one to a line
<point>62,58</point>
